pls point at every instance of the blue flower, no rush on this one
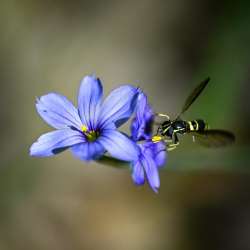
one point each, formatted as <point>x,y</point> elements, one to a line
<point>90,130</point>
<point>152,155</point>
<point>141,126</point>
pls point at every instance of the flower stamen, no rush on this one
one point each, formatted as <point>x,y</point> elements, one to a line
<point>84,128</point>
<point>91,135</point>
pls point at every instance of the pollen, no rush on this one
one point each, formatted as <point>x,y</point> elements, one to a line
<point>91,135</point>
<point>84,128</point>
<point>156,138</point>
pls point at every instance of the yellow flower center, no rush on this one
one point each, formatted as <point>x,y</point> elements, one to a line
<point>90,134</point>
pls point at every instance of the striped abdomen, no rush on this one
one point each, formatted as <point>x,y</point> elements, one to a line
<point>196,125</point>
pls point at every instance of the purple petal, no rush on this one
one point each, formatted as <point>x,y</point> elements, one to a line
<point>54,142</point>
<point>141,126</point>
<point>58,111</point>
<point>151,172</point>
<point>119,145</point>
<point>160,154</point>
<point>157,151</point>
<point>89,99</point>
<point>118,106</point>
<point>88,151</point>
<point>138,173</point>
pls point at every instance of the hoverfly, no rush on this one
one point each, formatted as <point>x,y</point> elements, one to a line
<point>170,129</point>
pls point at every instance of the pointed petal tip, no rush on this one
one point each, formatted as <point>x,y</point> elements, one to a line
<point>89,100</point>
<point>55,142</point>
<point>57,111</point>
<point>138,181</point>
<point>154,184</point>
<point>37,99</point>
<point>138,175</point>
<point>155,190</point>
<point>89,78</point>
<point>33,150</point>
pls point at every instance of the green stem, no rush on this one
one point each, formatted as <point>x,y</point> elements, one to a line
<point>112,162</point>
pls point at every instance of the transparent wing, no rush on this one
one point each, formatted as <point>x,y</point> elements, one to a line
<point>214,138</point>
<point>193,96</point>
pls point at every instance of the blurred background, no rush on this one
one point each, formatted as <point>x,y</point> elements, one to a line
<point>166,47</point>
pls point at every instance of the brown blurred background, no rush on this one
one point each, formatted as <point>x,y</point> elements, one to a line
<point>165,47</point>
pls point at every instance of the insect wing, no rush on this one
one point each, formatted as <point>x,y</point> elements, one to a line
<point>193,96</point>
<point>214,138</point>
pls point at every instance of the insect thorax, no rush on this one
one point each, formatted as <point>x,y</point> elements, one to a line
<point>166,128</point>
<point>181,127</point>
<point>170,127</point>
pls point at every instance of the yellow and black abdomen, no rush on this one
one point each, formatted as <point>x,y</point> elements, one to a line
<point>196,126</point>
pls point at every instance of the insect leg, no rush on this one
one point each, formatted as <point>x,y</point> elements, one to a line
<point>170,141</point>
<point>175,139</point>
<point>171,148</point>
<point>174,142</point>
<point>163,115</point>
<point>158,130</point>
